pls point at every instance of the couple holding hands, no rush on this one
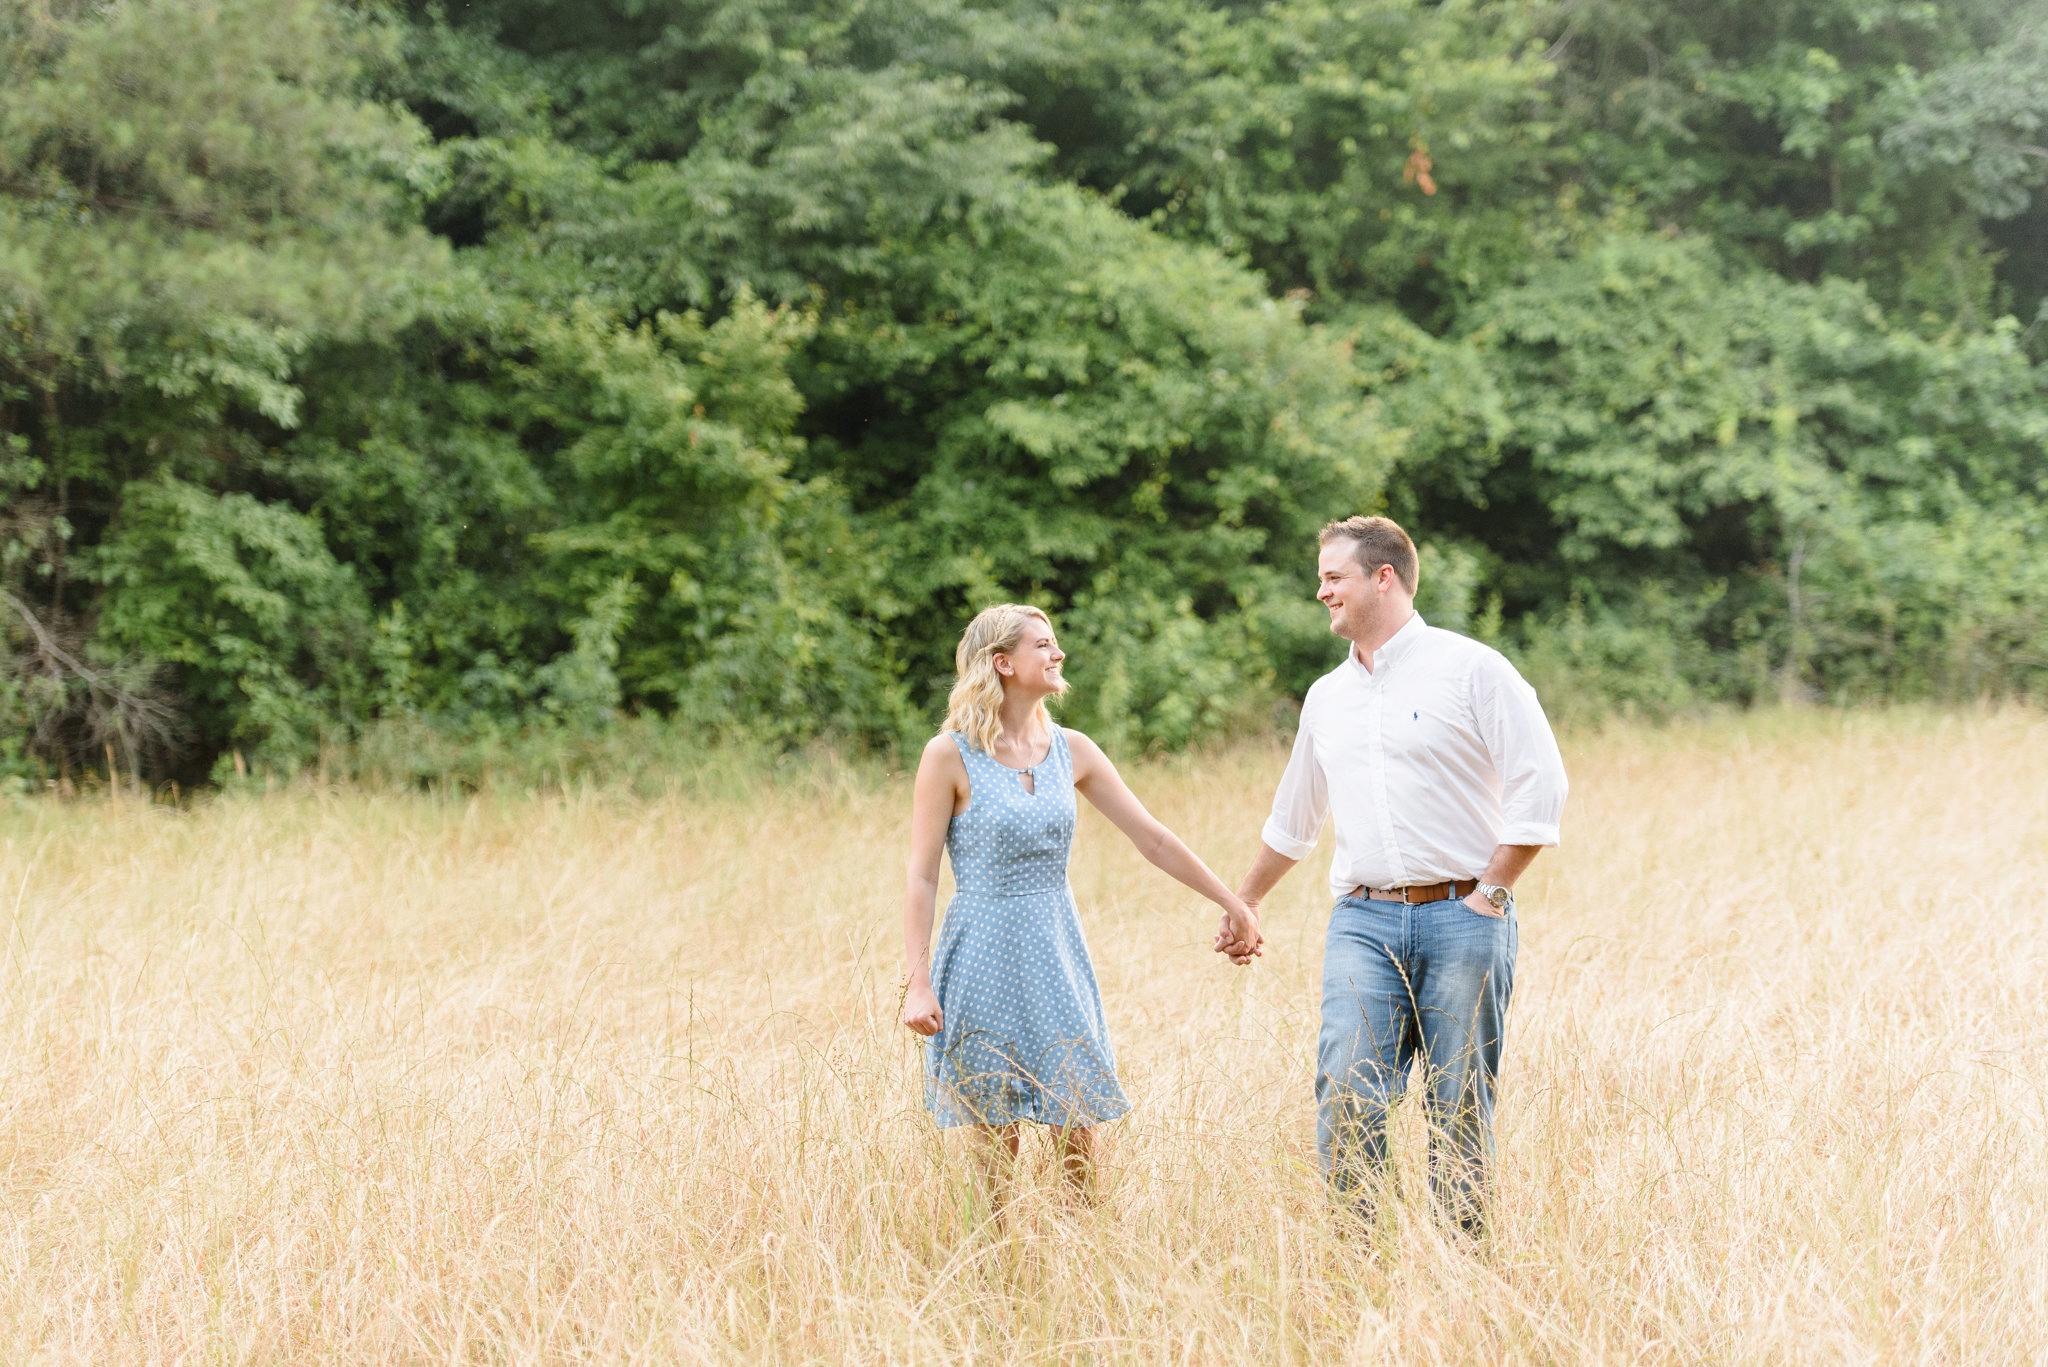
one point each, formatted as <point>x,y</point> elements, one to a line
<point>1440,770</point>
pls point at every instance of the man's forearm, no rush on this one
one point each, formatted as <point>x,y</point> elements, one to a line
<point>1509,862</point>
<point>1266,870</point>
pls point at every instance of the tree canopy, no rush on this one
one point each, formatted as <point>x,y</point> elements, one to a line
<point>524,364</point>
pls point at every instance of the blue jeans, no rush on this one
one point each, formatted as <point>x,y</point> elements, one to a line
<point>1401,983</point>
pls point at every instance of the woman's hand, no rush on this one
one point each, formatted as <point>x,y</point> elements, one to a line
<point>921,1010</point>
<point>1237,935</point>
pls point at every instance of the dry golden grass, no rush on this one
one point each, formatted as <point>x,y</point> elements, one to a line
<point>347,1077</point>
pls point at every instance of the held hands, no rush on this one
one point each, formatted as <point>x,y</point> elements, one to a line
<point>1237,935</point>
<point>921,1009</point>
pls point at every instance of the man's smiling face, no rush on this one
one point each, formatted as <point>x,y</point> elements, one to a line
<point>1344,589</point>
<point>1359,600</point>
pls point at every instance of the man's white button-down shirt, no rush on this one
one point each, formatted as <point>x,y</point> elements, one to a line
<point>1429,759</point>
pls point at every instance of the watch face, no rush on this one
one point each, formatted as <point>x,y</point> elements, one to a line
<point>1499,897</point>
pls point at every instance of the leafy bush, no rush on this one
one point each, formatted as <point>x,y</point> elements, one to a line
<point>519,378</point>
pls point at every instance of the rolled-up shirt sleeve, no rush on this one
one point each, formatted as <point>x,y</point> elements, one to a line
<point>1524,751</point>
<point>1301,803</point>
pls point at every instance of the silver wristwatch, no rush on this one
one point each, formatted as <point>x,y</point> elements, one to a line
<point>1495,893</point>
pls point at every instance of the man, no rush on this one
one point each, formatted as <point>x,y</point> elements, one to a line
<point>1445,780</point>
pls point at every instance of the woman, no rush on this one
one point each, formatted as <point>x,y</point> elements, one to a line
<point>1008,998</point>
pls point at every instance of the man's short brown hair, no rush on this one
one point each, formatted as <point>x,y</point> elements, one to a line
<point>1377,541</point>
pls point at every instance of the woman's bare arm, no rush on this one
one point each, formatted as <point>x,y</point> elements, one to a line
<point>1096,779</point>
<point>941,786</point>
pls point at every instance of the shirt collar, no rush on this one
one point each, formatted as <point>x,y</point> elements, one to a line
<point>1397,645</point>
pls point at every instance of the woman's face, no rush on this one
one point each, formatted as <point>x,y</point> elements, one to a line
<point>1034,663</point>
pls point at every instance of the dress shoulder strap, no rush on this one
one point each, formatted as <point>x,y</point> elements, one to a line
<point>967,758</point>
<point>968,754</point>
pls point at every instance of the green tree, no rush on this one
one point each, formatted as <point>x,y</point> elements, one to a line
<point>1773,467</point>
<point>189,196</point>
<point>510,368</point>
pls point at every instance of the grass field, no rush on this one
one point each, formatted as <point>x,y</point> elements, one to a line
<point>354,1077</point>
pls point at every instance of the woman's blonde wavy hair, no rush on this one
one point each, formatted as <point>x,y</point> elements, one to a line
<point>975,706</point>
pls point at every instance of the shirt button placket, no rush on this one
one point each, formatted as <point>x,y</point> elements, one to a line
<point>1376,750</point>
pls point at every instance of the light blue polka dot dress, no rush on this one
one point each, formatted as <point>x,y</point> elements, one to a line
<point>1024,1037</point>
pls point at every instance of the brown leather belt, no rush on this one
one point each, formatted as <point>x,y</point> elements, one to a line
<point>1420,892</point>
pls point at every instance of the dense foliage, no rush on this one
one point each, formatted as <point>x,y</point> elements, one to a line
<point>520,365</point>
